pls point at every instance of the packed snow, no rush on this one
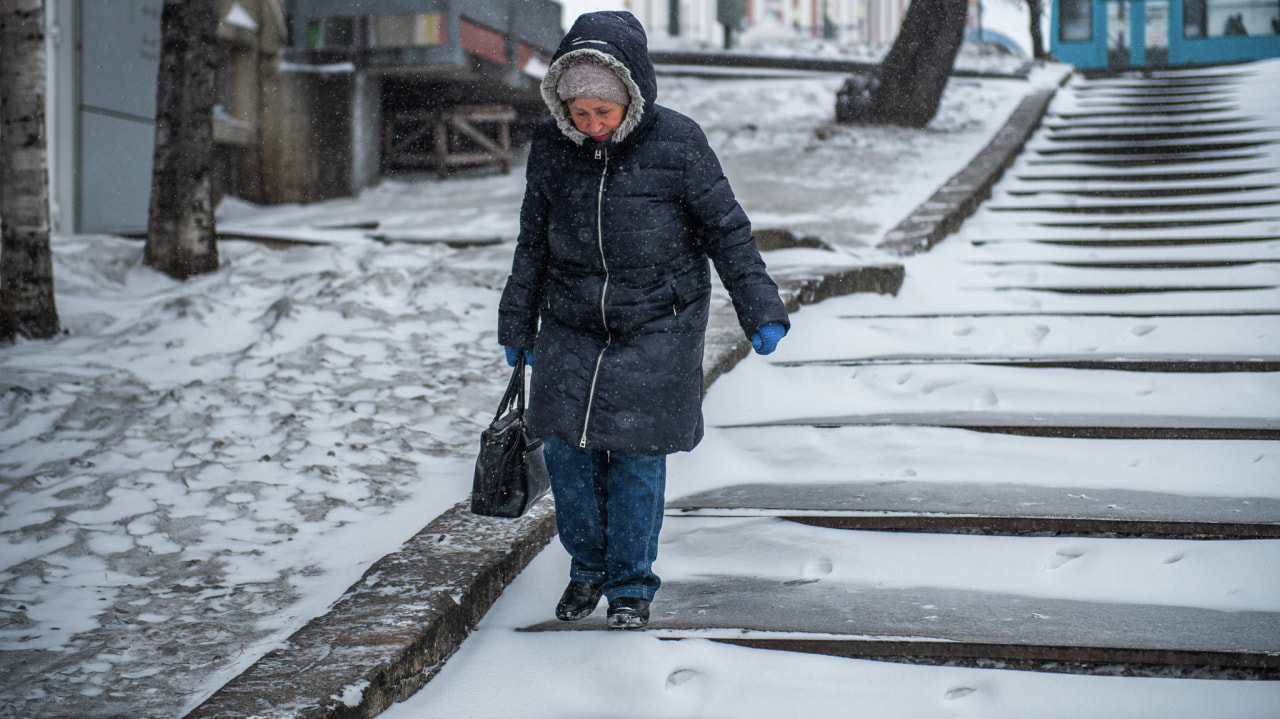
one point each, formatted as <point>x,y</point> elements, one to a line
<point>193,470</point>
<point>952,306</point>
<point>627,675</point>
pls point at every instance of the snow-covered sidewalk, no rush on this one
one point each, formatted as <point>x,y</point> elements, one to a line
<point>195,470</point>
<point>822,432</point>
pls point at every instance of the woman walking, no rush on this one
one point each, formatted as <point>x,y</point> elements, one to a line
<point>610,293</point>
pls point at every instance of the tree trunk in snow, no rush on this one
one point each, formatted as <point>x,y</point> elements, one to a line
<point>180,229</point>
<point>914,73</point>
<point>26,262</point>
<point>1037,41</point>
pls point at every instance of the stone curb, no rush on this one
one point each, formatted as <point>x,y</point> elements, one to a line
<point>726,346</point>
<point>392,631</point>
<point>960,196</point>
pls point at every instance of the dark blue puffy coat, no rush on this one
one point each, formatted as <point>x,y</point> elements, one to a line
<point>611,282</point>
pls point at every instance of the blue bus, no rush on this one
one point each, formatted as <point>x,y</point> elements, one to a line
<point>1124,34</point>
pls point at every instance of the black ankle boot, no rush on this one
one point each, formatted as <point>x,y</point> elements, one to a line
<point>628,613</point>
<point>579,600</point>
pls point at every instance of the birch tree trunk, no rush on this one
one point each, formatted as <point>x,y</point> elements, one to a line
<point>26,261</point>
<point>915,72</point>
<point>181,239</point>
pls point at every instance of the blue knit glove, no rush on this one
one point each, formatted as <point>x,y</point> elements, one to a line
<point>512,353</point>
<point>765,339</point>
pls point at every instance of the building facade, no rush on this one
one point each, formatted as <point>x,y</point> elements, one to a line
<point>867,22</point>
<point>308,93</point>
<point>1120,34</point>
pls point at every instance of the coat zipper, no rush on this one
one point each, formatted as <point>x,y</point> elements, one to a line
<point>604,291</point>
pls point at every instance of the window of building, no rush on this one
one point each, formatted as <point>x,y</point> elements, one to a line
<point>330,32</point>
<point>409,30</point>
<point>1230,18</point>
<point>1075,21</point>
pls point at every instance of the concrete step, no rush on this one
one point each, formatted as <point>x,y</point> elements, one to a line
<point>1035,401</point>
<point>1093,113</point>
<point>1127,200</point>
<point>1180,227</point>
<point>1163,134</point>
<point>1135,191</point>
<point>1143,289</point>
<point>1139,264</point>
<point>1141,122</point>
<point>886,456</point>
<point>772,584</point>
<point>1223,174</point>
<point>1100,237</point>
<point>1132,362</point>
<point>1119,314</point>
<point>991,508</point>
<point>1121,161</point>
<point>1158,150</point>
<point>922,622</point>
<point>1029,424</point>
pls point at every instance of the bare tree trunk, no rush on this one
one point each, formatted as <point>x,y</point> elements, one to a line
<point>26,261</point>
<point>1037,41</point>
<point>181,239</point>
<point>914,73</point>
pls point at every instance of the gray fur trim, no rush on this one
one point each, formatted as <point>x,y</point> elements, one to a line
<point>551,82</point>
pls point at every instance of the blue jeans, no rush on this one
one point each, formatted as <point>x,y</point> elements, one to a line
<point>608,512</point>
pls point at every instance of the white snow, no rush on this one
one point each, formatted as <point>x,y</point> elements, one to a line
<point>217,460</point>
<point>599,674</point>
<point>240,17</point>
<point>352,694</point>
<point>332,68</point>
<point>195,469</point>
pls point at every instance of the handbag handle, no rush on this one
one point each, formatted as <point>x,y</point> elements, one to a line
<point>514,396</point>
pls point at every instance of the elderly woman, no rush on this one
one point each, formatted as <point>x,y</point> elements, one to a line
<point>610,292</point>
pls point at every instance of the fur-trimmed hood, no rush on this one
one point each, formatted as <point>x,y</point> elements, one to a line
<point>614,40</point>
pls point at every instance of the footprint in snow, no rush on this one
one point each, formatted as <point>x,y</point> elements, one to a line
<point>681,676</point>
<point>932,387</point>
<point>960,692</point>
<point>1062,557</point>
<point>986,400</point>
<point>817,568</point>
<point>814,570</point>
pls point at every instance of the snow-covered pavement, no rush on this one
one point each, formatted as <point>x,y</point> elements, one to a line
<point>194,470</point>
<point>1051,285</point>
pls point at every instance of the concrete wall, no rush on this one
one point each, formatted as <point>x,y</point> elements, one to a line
<point>285,130</point>
<point>102,60</point>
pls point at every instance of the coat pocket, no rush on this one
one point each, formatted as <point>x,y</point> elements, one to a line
<point>574,301</point>
<point>692,292</point>
<point>673,303</point>
<point>635,309</point>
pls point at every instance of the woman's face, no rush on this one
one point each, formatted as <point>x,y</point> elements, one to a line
<point>597,119</point>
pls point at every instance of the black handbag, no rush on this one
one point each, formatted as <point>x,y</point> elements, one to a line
<point>510,472</point>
